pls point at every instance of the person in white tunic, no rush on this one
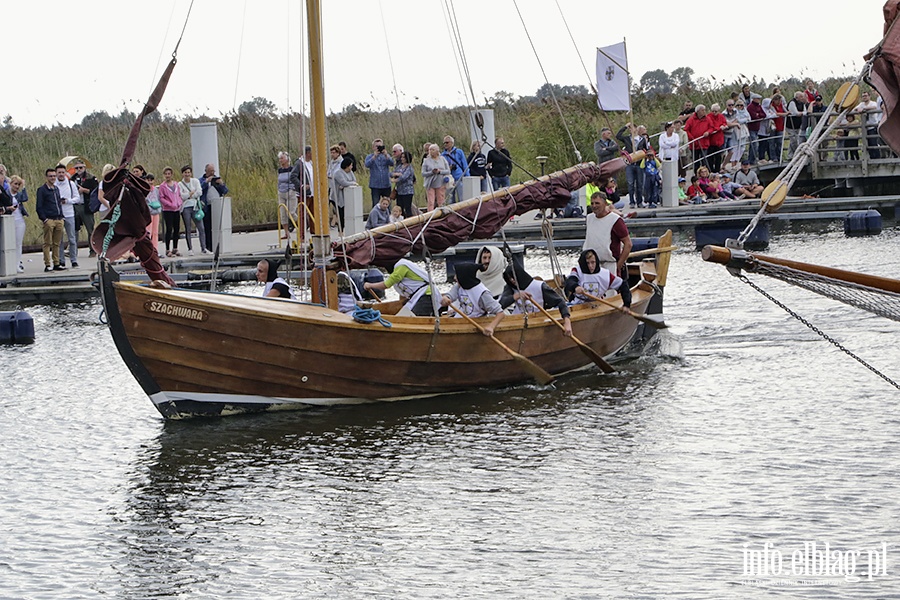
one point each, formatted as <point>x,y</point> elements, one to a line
<point>472,297</point>
<point>527,293</point>
<point>276,287</point>
<point>589,278</point>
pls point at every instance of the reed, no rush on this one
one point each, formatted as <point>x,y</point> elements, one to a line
<point>249,144</point>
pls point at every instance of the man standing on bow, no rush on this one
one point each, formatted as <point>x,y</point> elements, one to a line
<point>86,183</point>
<point>607,235</point>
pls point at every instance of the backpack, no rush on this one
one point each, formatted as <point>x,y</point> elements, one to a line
<point>94,203</point>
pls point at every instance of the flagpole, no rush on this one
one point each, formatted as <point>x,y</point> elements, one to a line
<point>628,75</point>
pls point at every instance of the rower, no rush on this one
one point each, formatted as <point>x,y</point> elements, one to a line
<point>412,284</point>
<point>473,297</point>
<point>589,277</point>
<point>276,287</point>
<point>527,293</point>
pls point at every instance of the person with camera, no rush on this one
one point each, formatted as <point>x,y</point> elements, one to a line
<point>211,188</point>
<point>379,163</point>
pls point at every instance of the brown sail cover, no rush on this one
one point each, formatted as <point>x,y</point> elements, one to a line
<point>488,217</point>
<point>885,75</point>
<point>130,229</point>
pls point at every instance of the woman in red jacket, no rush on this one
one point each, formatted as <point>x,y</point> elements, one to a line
<point>718,125</point>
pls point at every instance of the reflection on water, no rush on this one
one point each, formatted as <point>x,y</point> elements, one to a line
<point>739,426</point>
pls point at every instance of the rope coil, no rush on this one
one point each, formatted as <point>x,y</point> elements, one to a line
<point>369,315</point>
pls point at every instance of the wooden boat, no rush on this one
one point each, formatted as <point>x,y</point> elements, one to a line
<point>198,353</point>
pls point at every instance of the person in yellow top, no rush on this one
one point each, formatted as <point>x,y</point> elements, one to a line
<point>412,284</point>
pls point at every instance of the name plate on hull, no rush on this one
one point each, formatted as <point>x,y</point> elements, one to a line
<point>175,310</point>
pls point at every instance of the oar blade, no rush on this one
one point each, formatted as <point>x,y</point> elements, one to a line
<point>595,356</point>
<point>654,321</point>
<point>539,375</point>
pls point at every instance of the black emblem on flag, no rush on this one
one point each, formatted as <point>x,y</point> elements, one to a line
<point>610,73</point>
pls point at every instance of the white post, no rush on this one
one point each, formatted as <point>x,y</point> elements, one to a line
<point>204,147</point>
<point>353,211</point>
<point>221,222</point>
<point>669,183</point>
<point>8,255</point>
<point>470,188</point>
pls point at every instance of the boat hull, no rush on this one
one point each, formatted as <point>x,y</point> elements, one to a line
<point>203,353</point>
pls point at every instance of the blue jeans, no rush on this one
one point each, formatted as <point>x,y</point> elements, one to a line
<point>754,146</point>
<point>72,238</point>
<point>635,178</point>
<point>651,190</point>
<point>500,182</point>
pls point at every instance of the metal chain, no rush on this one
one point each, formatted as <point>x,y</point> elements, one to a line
<point>819,332</point>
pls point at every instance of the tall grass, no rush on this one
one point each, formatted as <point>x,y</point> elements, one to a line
<point>248,144</point>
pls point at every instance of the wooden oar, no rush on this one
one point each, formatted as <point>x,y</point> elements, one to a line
<point>651,251</point>
<point>540,375</point>
<point>642,318</point>
<point>590,352</point>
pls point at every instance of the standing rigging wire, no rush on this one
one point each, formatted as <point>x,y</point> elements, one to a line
<point>454,22</point>
<point>550,87</point>
<point>581,59</point>
<point>237,77</point>
<point>393,75</point>
<point>287,78</point>
<point>455,46</point>
<point>162,48</point>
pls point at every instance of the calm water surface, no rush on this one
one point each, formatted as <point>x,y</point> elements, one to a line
<point>741,427</point>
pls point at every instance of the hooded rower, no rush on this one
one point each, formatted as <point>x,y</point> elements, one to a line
<point>473,297</point>
<point>412,284</point>
<point>527,293</point>
<point>276,287</point>
<point>491,258</point>
<point>591,278</point>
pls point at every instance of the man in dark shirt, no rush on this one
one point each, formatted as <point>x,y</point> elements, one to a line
<point>347,154</point>
<point>49,211</point>
<point>499,164</point>
<point>605,148</point>
<point>86,184</point>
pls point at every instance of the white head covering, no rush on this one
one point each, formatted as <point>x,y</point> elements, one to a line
<point>493,277</point>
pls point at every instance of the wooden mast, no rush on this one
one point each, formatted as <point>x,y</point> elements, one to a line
<point>324,288</point>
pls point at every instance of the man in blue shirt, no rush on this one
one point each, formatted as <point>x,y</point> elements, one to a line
<point>459,168</point>
<point>379,163</point>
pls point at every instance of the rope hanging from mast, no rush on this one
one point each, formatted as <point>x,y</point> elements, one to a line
<point>549,86</point>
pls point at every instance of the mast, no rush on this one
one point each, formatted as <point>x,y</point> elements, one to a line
<point>321,238</point>
<point>628,77</point>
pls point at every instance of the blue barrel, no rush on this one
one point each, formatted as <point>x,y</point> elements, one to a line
<point>16,327</point>
<point>862,222</point>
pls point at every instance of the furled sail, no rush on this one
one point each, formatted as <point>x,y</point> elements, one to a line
<point>478,218</point>
<point>885,75</point>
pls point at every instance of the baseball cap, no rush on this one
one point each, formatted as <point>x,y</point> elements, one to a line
<point>681,180</point>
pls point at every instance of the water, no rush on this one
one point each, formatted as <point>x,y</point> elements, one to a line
<point>742,427</point>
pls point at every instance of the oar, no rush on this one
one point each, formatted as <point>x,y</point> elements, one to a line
<point>656,324</point>
<point>590,352</point>
<point>540,375</point>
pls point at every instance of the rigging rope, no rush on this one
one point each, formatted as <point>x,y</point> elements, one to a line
<point>804,153</point>
<point>391,64</point>
<point>819,332</point>
<point>549,86</point>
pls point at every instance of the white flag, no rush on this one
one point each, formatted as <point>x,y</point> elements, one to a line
<point>612,78</point>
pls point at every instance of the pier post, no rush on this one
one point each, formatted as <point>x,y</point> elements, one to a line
<point>221,222</point>
<point>669,183</point>
<point>353,211</point>
<point>8,254</point>
<point>470,188</point>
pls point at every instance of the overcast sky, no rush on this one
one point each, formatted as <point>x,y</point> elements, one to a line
<point>64,60</point>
